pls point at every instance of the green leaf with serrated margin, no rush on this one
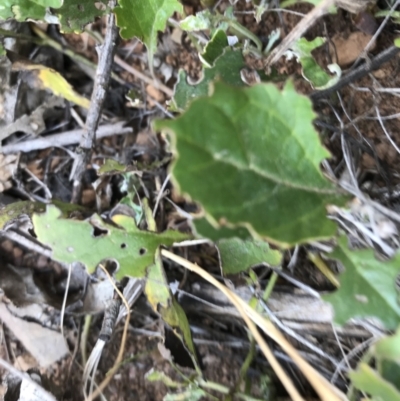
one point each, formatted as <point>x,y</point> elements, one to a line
<point>251,157</point>
<point>214,48</point>
<point>388,348</point>
<point>312,72</point>
<point>238,256</point>
<point>15,209</point>
<point>5,9</point>
<point>49,3</point>
<point>75,14</point>
<point>144,18</point>
<point>201,21</point>
<point>368,380</point>
<point>367,286</point>
<point>205,229</point>
<point>387,357</point>
<point>161,299</point>
<point>227,67</point>
<point>24,9</point>
<point>73,240</point>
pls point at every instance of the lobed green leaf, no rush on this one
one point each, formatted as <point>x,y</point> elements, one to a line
<point>367,287</point>
<point>73,240</point>
<point>251,157</point>
<point>144,18</point>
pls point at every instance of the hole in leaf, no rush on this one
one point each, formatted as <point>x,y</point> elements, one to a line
<point>81,7</point>
<point>111,265</point>
<point>142,251</point>
<point>97,232</point>
<point>123,246</point>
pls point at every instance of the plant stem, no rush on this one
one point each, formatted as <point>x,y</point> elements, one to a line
<point>84,338</point>
<point>225,390</point>
<point>246,364</point>
<point>271,284</point>
<point>241,30</point>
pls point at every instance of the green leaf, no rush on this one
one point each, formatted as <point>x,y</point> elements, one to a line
<point>227,68</point>
<point>367,287</point>
<point>214,48</point>
<point>390,371</point>
<point>397,42</point>
<point>395,16</point>
<point>386,354</point>
<point>14,210</point>
<point>199,22</point>
<point>73,240</point>
<point>155,375</point>
<point>143,19</point>
<point>238,255</point>
<point>5,9</point>
<point>251,157</point>
<point>75,14</point>
<point>49,3</point>
<point>204,229</point>
<point>111,166</point>
<point>163,302</point>
<point>312,72</point>
<point>24,9</point>
<point>388,348</point>
<point>368,380</point>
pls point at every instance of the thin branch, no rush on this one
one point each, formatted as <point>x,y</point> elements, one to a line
<point>136,73</point>
<point>298,31</point>
<point>64,139</point>
<point>359,72</point>
<point>101,82</point>
<point>376,34</point>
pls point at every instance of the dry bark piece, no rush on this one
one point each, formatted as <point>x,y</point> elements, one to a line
<point>297,310</point>
<point>32,124</point>
<point>45,345</point>
<point>354,6</point>
<point>155,93</point>
<point>366,23</point>
<point>8,165</point>
<point>346,50</point>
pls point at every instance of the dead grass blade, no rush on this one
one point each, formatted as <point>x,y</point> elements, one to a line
<point>325,390</point>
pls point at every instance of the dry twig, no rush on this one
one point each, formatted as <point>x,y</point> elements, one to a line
<point>64,139</point>
<point>316,13</point>
<point>359,72</point>
<point>101,82</point>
